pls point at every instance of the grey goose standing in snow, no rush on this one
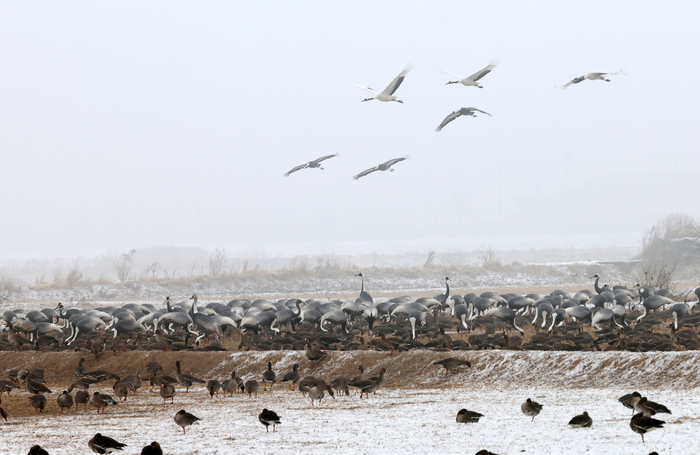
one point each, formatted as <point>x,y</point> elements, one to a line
<point>531,408</point>
<point>65,401</point>
<point>152,449</point>
<point>184,419</point>
<point>292,377</point>
<point>642,424</point>
<point>268,377</point>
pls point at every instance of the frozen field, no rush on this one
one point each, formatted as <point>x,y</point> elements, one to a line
<point>405,419</point>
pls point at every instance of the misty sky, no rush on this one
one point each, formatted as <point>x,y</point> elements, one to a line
<point>133,124</point>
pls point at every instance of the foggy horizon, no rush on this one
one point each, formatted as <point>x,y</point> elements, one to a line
<point>128,125</point>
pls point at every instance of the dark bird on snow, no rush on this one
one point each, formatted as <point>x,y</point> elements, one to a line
<point>104,444</point>
<point>185,419</point>
<point>642,424</point>
<point>581,421</point>
<point>531,408</point>
<point>464,416</point>
<point>268,418</point>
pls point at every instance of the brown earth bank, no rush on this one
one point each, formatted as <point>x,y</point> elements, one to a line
<point>413,369</point>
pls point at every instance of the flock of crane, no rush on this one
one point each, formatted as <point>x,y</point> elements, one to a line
<point>387,95</point>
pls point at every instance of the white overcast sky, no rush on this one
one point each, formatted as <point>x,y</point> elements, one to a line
<point>171,123</point>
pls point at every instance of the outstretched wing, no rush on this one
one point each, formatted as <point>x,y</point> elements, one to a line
<point>372,91</point>
<point>298,168</point>
<point>447,120</point>
<point>573,81</point>
<point>365,172</point>
<point>323,158</point>
<point>394,161</point>
<point>451,74</point>
<point>479,110</point>
<point>483,72</point>
<point>391,88</point>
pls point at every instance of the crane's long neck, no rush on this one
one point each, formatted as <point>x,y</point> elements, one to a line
<point>447,292</point>
<point>363,284</point>
<point>598,289</point>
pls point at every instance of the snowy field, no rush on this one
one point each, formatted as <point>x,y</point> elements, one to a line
<point>407,419</point>
<point>393,421</point>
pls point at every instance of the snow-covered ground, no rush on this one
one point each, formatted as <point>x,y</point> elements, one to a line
<point>414,418</point>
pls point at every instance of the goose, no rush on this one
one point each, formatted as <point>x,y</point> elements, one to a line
<point>292,377</point>
<point>251,387</point>
<point>232,385</point>
<point>37,450</point>
<point>268,377</point>
<point>386,166</point>
<point>388,93</point>
<point>311,164</point>
<point>473,80</point>
<point>3,414</point>
<point>101,401</point>
<point>167,391</point>
<point>642,424</point>
<point>65,401</point>
<point>451,364</point>
<point>38,402</point>
<point>213,387</point>
<point>267,418</point>
<point>185,419</point>
<point>464,416</point>
<point>531,408</point>
<point>630,400</point>
<point>186,380</point>
<point>373,384</point>
<point>650,408</point>
<point>104,444</point>
<point>317,392</point>
<point>469,111</point>
<point>581,421</point>
<point>82,397</point>
<point>152,449</point>
<point>590,77</point>
<point>314,354</point>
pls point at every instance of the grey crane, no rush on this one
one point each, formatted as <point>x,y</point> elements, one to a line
<point>386,166</point>
<point>590,77</point>
<point>315,164</point>
<point>470,111</point>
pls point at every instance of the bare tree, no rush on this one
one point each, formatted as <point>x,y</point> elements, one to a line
<point>487,254</point>
<point>8,288</point>
<point>124,265</point>
<point>217,262</point>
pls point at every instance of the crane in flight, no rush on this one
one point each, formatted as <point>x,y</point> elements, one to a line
<point>380,167</point>
<point>590,77</point>
<point>311,164</point>
<point>388,93</point>
<point>473,80</point>
<point>470,111</point>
